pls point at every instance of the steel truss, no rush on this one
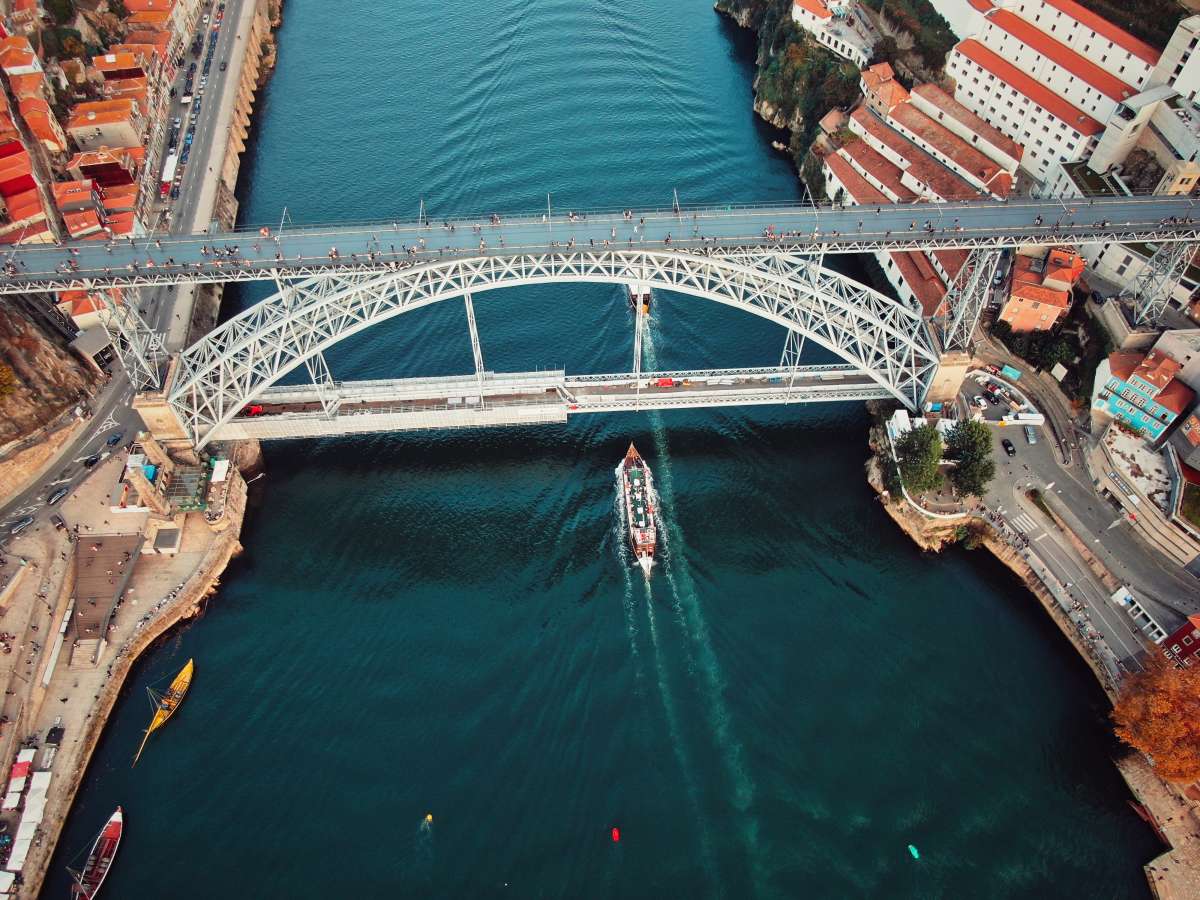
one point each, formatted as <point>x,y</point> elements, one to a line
<point>966,297</point>
<point>1155,283</point>
<point>220,374</point>
<point>136,344</point>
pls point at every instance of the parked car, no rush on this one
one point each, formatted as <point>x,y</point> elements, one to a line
<point>91,460</point>
<point>58,521</point>
<point>1098,299</point>
<point>224,65</point>
<point>980,401</point>
<point>1030,434</point>
<point>21,525</point>
<point>115,439</point>
<point>57,496</point>
<point>1008,447</point>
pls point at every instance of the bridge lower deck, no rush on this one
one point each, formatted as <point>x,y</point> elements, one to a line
<point>528,398</point>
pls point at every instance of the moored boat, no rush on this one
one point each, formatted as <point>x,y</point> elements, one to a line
<point>640,504</point>
<point>88,881</point>
<point>166,704</point>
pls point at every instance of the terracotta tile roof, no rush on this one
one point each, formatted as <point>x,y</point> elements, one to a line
<point>816,7</point>
<point>41,122</point>
<point>25,6</point>
<point>15,58</point>
<point>1063,265</point>
<point>71,192</point>
<point>923,167</point>
<point>1038,93</point>
<point>1157,369</point>
<point>859,189</point>
<point>876,165</point>
<point>954,148</point>
<point>1122,363</point>
<point>1036,293</point>
<point>81,222</point>
<point>141,6</point>
<point>955,110</point>
<point>1063,56</point>
<point>922,280</point>
<point>160,39</point>
<point>1190,429</point>
<point>120,223</point>
<point>28,233</point>
<point>952,260</point>
<point>102,157</point>
<point>1176,396</point>
<point>149,19</point>
<point>102,112</point>
<point>1107,30</point>
<point>15,166</point>
<point>30,85</point>
<point>120,198</point>
<point>118,62</point>
<point>24,206</point>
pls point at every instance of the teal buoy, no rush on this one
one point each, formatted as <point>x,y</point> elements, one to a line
<point>916,854</point>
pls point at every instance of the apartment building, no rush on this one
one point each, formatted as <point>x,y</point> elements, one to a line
<point>1040,291</point>
<point>1141,391</point>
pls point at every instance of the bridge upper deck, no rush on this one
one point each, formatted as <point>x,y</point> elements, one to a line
<point>330,250</point>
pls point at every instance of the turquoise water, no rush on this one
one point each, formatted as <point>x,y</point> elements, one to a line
<point>449,624</point>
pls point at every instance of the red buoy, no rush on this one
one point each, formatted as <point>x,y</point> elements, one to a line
<point>616,834</point>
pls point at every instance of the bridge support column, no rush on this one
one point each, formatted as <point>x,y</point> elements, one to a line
<point>137,345</point>
<point>793,348</point>
<point>966,297</point>
<point>1157,280</point>
<point>639,323</point>
<point>476,350</point>
<point>952,371</point>
<point>326,387</point>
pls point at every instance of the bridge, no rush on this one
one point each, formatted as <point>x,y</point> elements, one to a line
<point>334,281</point>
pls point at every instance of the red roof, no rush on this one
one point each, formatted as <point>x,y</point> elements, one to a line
<point>21,769</point>
<point>1107,29</point>
<point>1176,397</point>
<point>934,95</point>
<point>816,7</point>
<point>923,167</point>
<point>952,260</point>
<point>1122,363</point>
<point>1038,93</point>
<point>1062,55</point>
<point>880,168</point>
<point>856,186</point>
<point>1157,369</point>
<point>922,280</point>
<point>954,148</point>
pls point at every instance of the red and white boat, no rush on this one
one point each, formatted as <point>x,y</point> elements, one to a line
<point>88,881</point>
<point>641,507</point>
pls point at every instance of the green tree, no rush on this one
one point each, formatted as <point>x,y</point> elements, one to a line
<point>63,11</point>
<point>919,452</point>
<point>969,444</point>
<point>885,50</point>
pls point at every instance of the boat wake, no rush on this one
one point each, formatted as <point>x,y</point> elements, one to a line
<point>622,550</point>
<point>690,617</point>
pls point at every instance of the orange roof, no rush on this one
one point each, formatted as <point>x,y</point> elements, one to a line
<point>32,84</point>
<point>29,233</point>
<point>110,62</point>
<point>102,112</point>
<point>1107,29</point>
<point>16,58</point>
<point>1038,93</point>
<point>1122,363</point>
<point>137,6</point>
<point>15,166</point>
<point>1191,430</point>
<point>25,5</point>
<point>954,148</point>
<point>149,19</point>
<point>1063,265</point>
<point>952,260</point>
<point>816,7</point>
<point>880,168</point>
<point>1176,396</point>
<point>922,280</point>
<point>84,302</point>
<point>880,80</point>
<point>923,167</point>
<point>72,191</point>
<point>80,222</point>
<point>1036,293</point>
<point>25,205</point>
<point>41,122</point>
<point>955,110</point>
<point>159,39</point>
<point>120,223</point>
<point>1059,53</point>
<point>859,189</point>
<point>103,156</point>
<point>147,50</point>
<point>1157,369</point>
<point>120,197</point>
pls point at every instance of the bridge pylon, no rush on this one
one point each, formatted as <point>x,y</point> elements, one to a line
<point>966,296</point>
<point>1156,282</point>
<point>137,345</point>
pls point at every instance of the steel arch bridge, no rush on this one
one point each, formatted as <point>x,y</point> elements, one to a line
<point>219,375</point>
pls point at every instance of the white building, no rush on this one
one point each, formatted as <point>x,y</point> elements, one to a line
<point>838,25</point>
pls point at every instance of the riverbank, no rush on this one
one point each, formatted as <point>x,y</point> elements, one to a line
<point>1170,811</point>
<point>206,551</point>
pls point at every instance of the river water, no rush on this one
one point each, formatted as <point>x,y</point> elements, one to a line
<point>448,623</point>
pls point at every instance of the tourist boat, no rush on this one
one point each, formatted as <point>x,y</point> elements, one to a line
<point>166,704</point>
<point>87,882</point>
<point>640,504</point>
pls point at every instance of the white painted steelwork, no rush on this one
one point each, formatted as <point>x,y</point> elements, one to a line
<point>219,375</point>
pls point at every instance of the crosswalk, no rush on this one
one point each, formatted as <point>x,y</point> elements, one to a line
<point>1024,522</point>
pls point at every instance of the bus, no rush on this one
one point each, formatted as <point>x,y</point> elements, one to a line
<point>168,174</point>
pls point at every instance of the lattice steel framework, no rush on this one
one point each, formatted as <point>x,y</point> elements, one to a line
<point>966,297</point>
<point>136,344</point>
<point>220,374</point>
<point>1156,281</point>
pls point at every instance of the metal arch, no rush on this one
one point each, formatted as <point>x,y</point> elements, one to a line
<point>218,375</point>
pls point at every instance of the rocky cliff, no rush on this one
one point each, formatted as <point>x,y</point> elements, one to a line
<point>39,376</point>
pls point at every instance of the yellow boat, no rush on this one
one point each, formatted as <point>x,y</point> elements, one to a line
<point>166,704</point>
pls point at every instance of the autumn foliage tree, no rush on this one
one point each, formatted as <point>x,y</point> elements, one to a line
<point>1158,713</point>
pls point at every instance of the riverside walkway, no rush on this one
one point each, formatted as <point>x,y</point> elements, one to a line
<point>270,254</point>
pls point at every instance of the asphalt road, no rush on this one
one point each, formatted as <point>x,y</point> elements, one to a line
<point>296,252</point>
